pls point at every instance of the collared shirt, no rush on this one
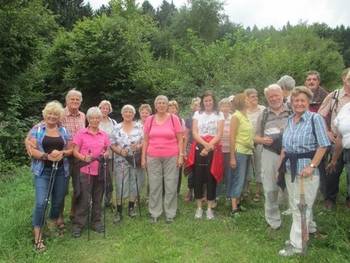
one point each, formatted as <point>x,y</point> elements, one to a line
<point>318,97</point>
<point>342,123</point>
<point>299,137</point>
<point>73,122</point>
<point>275,123</point>
<point>329,103</point>
<point>38,133</point>
<point>91,143</point>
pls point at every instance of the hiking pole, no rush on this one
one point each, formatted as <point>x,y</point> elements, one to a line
<point>105,195</point>
<point>302,208</point>
<point>49,192</point>
<point>90,197</point>
<point>137,186</point>
<point>122,193</point>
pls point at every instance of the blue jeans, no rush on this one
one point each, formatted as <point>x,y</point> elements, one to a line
<point>221,188</point>
<point>237,176</point>
<point>41,190</point>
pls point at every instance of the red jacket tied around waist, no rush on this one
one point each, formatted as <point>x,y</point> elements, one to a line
<point>217,163</point>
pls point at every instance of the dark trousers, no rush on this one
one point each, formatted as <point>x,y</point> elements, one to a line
<point>109,182</point>
<point>91,188</point>
<point>203,177</point>
<point>332,181</point>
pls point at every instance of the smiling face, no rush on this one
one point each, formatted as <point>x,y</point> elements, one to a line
<point>52,118</point>
<point>312,82</point>
<point>275,99</point>
<point>208,103</point>
<point>94,121</point>
<point>144,114</point>
<point>300,103</point>
<point>172,109</point>
<point>161,106</point>
<point>252,99</point>
<point>128,115</point>
<point>73,103</point>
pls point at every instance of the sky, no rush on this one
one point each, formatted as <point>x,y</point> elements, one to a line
<point>275,12</point>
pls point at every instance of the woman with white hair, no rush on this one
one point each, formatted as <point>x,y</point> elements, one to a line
<point>127,143</point>
<point>162,154</point>
<point>88,145</point>
<point>49,146</point>
<point>107,125</point>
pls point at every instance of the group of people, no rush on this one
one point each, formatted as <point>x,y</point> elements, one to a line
<point>218,147</point>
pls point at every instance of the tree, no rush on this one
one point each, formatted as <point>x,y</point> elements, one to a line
<point>148,9</point>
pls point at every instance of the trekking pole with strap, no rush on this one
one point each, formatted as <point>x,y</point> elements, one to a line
<point>302,208</point>
<point>90,197</point>
<point>47,198</point>
<point>122,192</point>
<point>137,186</point>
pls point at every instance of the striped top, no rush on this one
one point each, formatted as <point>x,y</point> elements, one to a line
<point>73,122</point>
<point>299,137</point>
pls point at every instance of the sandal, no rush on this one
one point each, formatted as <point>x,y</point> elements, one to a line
<point>39,246</point>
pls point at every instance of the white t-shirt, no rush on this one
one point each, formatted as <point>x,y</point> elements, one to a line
<point>253,116</point>
<point>208,123</point>
<point>342,123</point>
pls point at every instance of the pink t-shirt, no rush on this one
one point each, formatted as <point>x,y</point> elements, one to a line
<point>162,141</point>
<point>96,144</point>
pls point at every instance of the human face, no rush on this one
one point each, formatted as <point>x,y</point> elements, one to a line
<point>275,99</point>
<point>144,114</point>
<point>128,115</point>
<point>225,108</point>
<point>196,106</point>
<point>208,103</point>
<point>252,99</point>
<point>161,106</point>
<point>312,82</point>
<point>94,121</point>
<point>105,110</point>
<point>73,103</point>
<point>52,118</point>
<point>172,109</point>
<point>300,103</point>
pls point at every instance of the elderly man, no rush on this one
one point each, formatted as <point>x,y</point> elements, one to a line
<point>73,120</point>
<point>269,131</point>
<point>287,83</point>
<point>329,109</point>
<point>312,82</point>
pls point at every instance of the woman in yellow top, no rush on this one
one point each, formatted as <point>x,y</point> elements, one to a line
<point>241,149</point>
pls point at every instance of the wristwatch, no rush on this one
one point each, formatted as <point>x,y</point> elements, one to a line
<point>312,165</point>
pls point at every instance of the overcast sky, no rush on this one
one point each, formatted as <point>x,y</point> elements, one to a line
<point>275,12</point>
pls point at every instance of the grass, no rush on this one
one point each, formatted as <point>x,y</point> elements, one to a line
<point>244,239</point>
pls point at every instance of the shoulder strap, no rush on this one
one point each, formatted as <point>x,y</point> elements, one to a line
<point>335,98</point>
<point>151,124</point>
<point>263,121</point>
<point>313,127</point>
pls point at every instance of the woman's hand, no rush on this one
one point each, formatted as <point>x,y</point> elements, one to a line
<point>143,163</point>
<point>307,171</point>
<point>55,156</point>
<point>180,161</point>
<point>124,152</point>
<point>204,152</point>
<point>331,166</point>
<point>233,163</point>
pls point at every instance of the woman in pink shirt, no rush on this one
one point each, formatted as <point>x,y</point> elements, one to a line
<point>162,154</point>
<point>89,144</point>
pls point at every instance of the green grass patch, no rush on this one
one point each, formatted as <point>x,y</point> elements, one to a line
<point>243,239</point>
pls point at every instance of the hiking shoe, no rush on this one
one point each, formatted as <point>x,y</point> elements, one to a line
<point>99,228</point>
<point>199,213</point>
<point>210,214</point>
<point>117,218</point>
<point>289,251</point>
<point>132,213</point>
<point>169,220</point>
<point>234,212</point>
<point>76,232</point>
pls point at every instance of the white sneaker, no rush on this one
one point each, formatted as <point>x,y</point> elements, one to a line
<point>199,213</point>
<point>289,251</point>
<point>210,214</point>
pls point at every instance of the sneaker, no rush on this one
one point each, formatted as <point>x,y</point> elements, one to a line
<point>117,218</point>
<point>132,213</point>
<point>214,204</point>
<point>329,205</point>
<point>234,212</point>
<point>169,220</point>
<point>199,213</point>
<point>241,208</point>
<point>99,228</point>
<point>289,251</point>
<point>76,232</point>
<point>210,214</point>
<point>287,212</point>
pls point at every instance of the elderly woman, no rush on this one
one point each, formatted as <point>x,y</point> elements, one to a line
<point>287,84</point>
<point>241,149</point>
<point>107,125</point>
<point>162,154</point>
<point>205,156</point>
<point>145,110</point>
<point>48,147</point>
<point>304,143</point>
<point>127,143</point>
<point>195,106</point>
<point>89,144</point>
<point>254,166</point>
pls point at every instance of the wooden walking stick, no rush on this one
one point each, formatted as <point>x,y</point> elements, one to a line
<point>302,208</point>
<point>136,181</point>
